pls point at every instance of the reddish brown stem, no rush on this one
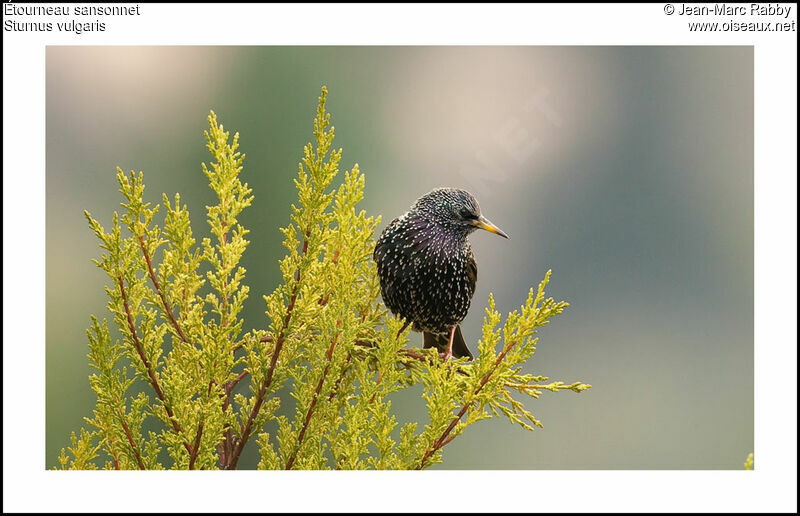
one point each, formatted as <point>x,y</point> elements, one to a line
<point>224,448</point>
<point>134,447</point>
<point>113,453</point>
<point>229,387</point>
<point>211,385</point>
<point>310,411</point>
<point>150,373</point>
<point>408,352</point>
<point>196,447</point>
<point>221,449</point>
<point>443,439</point>
<point>160,292</point>
<point>448,440</point>
<point>413,354</point>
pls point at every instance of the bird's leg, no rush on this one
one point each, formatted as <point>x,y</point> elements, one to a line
<point>449,354</point>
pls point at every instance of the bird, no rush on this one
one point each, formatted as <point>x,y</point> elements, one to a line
<point>427,269</point>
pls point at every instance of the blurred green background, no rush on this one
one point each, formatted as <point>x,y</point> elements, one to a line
<point>627,170</point>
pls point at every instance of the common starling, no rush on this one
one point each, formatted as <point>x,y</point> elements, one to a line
<point>426,266</point>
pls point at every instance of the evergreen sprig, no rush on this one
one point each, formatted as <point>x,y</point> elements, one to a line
<point>327,337</point>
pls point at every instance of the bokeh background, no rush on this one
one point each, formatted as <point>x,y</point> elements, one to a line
<point>627,170</point>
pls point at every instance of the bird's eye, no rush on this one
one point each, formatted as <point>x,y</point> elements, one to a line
<point>467,214</point>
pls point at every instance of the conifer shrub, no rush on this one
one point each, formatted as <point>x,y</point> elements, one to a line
<point>326,337</point>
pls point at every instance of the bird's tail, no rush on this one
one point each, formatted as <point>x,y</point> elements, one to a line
<point>440,342</point>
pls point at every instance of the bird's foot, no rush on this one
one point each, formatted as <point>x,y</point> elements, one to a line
<point>446,356</point>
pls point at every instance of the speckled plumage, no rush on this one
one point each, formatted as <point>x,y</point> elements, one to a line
<point>425,263</point>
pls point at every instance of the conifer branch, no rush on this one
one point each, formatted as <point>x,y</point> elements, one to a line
<point>225,300</point>
<point>410,353</point>
<point>196,447</point>
<point>339,380</point>
<point>160,292</point>
<point>146,363</point>
<point>310,412</point>
<point>224,448</point>
<point>237,451</point>
<point>230,385</point>
<point>134,447</point>
<point>265,339</point>
<point>288,318</point>
<point>443,440</point>
<point>113,453</point>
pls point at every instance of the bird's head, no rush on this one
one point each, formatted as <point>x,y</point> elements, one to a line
<point>456,210</point>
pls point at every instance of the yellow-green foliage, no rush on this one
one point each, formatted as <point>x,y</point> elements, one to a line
<point>328,339</point>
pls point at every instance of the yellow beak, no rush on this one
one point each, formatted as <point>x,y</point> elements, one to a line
<point>484,223</point>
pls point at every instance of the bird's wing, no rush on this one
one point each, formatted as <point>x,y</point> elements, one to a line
<point>472,272</point>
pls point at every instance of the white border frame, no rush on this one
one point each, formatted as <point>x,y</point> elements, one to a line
<point>771,487</point>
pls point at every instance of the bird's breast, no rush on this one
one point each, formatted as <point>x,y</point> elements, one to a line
<point>423,274</point>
